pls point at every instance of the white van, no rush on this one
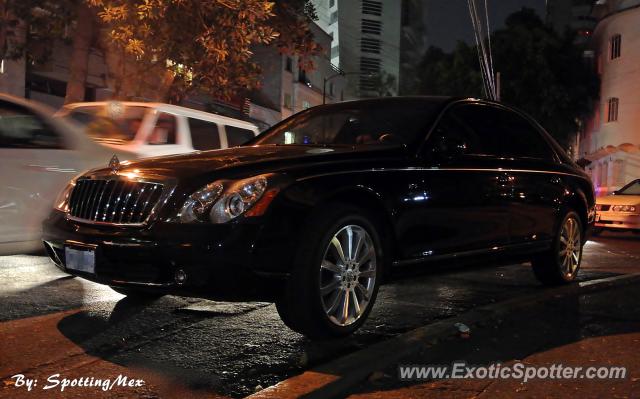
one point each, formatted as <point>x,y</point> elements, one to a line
<point>155,129</point>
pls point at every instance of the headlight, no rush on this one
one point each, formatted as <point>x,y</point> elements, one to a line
<point>222,201</point>
<point>62,200</point>
<point>198,206</point>
<point>623,208</point>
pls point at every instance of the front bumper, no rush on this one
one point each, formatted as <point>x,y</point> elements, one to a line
<point>618,221</point>
<point>220,261</point>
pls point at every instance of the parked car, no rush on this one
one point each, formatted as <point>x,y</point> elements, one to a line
<point>154,129</point>
<point>315,211</point>
<point>620,211</point>
<point>40,154</point>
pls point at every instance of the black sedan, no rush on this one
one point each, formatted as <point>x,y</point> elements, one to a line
<point>316,211</point>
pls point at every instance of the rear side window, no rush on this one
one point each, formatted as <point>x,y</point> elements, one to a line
<point>489,131</point>
<point>237,136</point>
<point>20,128</point>
<point>204,134</point>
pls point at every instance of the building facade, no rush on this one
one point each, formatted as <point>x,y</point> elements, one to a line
<point>366,39</point>
<point>611,138</point>
<point>286,88</point>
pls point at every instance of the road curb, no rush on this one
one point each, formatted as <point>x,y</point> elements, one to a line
<point>334,379</point>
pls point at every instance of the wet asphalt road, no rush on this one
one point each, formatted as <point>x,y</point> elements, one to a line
<point>232,349</point>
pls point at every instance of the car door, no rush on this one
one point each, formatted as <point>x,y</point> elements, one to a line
<point>537,178</point>
<point>36,163</point>
<point>459,203</point>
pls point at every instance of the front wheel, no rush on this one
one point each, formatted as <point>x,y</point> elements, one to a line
<point>561,263</point>
<point>338,270</point>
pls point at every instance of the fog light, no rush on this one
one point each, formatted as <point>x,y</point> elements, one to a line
<point>180,276</point>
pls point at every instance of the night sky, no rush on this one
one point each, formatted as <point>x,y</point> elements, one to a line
<point>448,20</point>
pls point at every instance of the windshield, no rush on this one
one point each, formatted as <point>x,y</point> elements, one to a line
<point>113,123</point>
<point>383,122</point>
<point>632,188</point>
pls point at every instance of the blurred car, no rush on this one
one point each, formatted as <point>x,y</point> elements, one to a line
<point>619,211</point>
<point>155,129</point>
<point>40,154</point>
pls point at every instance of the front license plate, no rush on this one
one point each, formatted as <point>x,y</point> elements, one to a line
<point>82,260</point>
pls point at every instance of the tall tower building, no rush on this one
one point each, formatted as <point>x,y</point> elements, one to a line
<point>366,37</point>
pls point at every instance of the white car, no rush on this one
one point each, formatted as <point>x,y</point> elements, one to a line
<point>620,211</point>
<point>155,129</point>
<point>39,154</point>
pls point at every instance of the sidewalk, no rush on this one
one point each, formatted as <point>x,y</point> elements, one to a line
<point>595,329</point>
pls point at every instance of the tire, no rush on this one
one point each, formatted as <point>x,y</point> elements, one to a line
<point>560,264</point>
<point>596,231</point>
<point>322,281</point>
<point>136,293</point>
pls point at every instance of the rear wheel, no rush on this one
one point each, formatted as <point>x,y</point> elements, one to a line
<point>560,264</point>
<point>337,274</point>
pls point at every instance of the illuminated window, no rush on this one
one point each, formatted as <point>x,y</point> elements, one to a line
<point>287,101</point>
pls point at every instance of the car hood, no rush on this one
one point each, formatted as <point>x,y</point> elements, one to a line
<point>619,200</point>
<point>258,159</point>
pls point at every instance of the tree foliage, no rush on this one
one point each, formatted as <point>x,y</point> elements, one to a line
<point>542,72</point>
<point>205,45</point>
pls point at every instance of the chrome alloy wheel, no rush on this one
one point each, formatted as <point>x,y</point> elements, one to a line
<point>570,248</point>
<point>348,275</point>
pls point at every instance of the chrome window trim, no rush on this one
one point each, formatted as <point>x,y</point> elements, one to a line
<point>436,169</point>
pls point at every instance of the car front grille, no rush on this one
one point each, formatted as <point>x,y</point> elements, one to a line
<point>114,201</point>
<point>605,208</point>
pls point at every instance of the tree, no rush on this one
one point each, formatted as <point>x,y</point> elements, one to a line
<point>542,73</point>
<point>189,45</point>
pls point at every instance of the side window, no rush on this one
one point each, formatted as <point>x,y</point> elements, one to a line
<point>461,132</point>
<point>164,132</point>
<point>204,135</point>
<point>19,128</point>
<point>520,139</point>
<point>482,130</point>
<point>237,136</point>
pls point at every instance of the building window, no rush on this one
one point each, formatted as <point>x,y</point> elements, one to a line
<point>372,7</point>
<point>612,109</point>
<point>614,46</point>
<point>306,104</point>
<point>332,3</point>
<point>331,89</point>
<point>371,26</point>
<point>334,17</point>
<point>288,65</point>
<point>369,71</point>
<point>369,45</point>
<point>287,101</point>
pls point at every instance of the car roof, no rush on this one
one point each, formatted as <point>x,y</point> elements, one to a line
<point>163,107</point>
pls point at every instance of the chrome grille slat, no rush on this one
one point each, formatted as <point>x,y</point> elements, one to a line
<point>114,201</point>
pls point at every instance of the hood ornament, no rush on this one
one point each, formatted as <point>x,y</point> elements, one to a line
<point>114,164</point>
